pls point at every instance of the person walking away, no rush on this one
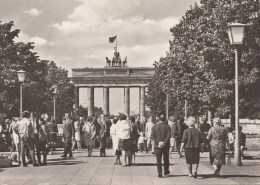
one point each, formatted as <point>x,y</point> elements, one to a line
<point>103,134</point>
<point>69,135</point>
<point>181,127</point>
<point>44,134</point>
<point>191,142</point>
<point>26,132</point>
<point>125,144</point>
<point>148,132</point>
<point>53,134</point>
<point>134,137</point>
<point>89,130</point>
<point>77,140</point>
<point>204,129</point>
<point>218,138</point>
<point>161,134</point>
<point>174,135</point>
<point>242,141</point>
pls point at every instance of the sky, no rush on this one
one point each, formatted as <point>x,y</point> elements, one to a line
<point>74,33</point>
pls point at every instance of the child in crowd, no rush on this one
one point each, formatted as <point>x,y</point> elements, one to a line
<point>118,154</point>
<point>141,141</point>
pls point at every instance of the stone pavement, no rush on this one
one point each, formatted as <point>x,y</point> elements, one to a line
<point>82,170</point>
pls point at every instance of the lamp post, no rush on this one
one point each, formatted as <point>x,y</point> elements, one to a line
<point>54,101</point>
<point>236,35</point>
<point>21,77</point>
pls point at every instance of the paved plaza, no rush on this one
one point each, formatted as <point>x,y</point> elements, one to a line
<point>101,170</point>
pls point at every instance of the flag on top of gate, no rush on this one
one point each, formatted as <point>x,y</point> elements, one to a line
<point>112,39</point>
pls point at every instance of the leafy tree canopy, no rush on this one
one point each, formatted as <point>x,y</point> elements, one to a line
<point>199,66</point>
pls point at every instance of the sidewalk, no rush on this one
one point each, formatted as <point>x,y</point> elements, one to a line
<point>101,170</point>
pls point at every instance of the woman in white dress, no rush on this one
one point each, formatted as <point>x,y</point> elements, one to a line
<point>77,135</point>
<point>113,134</point>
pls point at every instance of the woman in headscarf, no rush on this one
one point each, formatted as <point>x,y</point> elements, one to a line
<point>191,142</point>
<point>218,137</point>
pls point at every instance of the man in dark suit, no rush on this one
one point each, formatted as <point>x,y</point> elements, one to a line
<point>68,134</point>
<point>161,134</point>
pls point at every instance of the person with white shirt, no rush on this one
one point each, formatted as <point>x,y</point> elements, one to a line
<point>125,143</point>
<point>25,130</point>
<point>148,132</point>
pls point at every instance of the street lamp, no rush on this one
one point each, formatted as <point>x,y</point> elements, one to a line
<point>21,77</point>
<point>236,36</point>
<point>54,101</point>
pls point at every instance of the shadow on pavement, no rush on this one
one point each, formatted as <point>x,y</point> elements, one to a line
<point>205,176</point>
<point>147,164</point>
<point>65,162</point>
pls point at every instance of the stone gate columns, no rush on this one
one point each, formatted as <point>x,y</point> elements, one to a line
<point>127,100</point>
<point>76,103</point>
<point>142,102</point>
<point>106,100</point>
<point>90,95</point>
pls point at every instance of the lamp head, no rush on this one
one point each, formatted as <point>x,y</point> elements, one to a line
<point>236,33</point>
<point>21,75</point>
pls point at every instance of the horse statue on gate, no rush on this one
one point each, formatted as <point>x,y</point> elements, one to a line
<point>116,60</point>
<point>108,61</point>
<point>125,62</point>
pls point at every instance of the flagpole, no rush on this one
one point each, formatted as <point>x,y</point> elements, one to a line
<point>116,43</point>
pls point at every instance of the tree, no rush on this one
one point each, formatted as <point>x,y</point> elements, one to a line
<point>200,61</point>
<point>41,75</point>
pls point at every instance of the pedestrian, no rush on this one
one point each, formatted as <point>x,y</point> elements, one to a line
<point>141,142</point>
<point>191,142</point>
<point>242,141</point>
<point>44,134</point>
<point>53,134</point>
<point>89,130</point>
<point>174,135</point>
<point>35,126</point>
<point>134,137</point>
<point>204,129</point>
<point>181,127</point>
<point>161,134</point>
<point>218,138</point>
<point>114,136</point>
<point>103,135</point>
<point>125,144</point>
<point>78,130</point>
<point>16,146</point>
<point>148,132</point>
<point>69,135</point>
<point>25,130</point>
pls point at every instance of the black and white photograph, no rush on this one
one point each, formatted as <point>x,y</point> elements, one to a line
<point>129,92</point>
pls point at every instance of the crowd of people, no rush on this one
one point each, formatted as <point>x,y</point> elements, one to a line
<point>32,135</point>
<point>28,136</point>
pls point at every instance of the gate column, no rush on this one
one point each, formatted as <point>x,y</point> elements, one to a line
<point>90,95</point>
<point>127,100</point>
<point>106,100</point>
<point>142,103</point>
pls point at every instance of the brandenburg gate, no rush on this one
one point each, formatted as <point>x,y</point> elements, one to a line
<point>117,74</point>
